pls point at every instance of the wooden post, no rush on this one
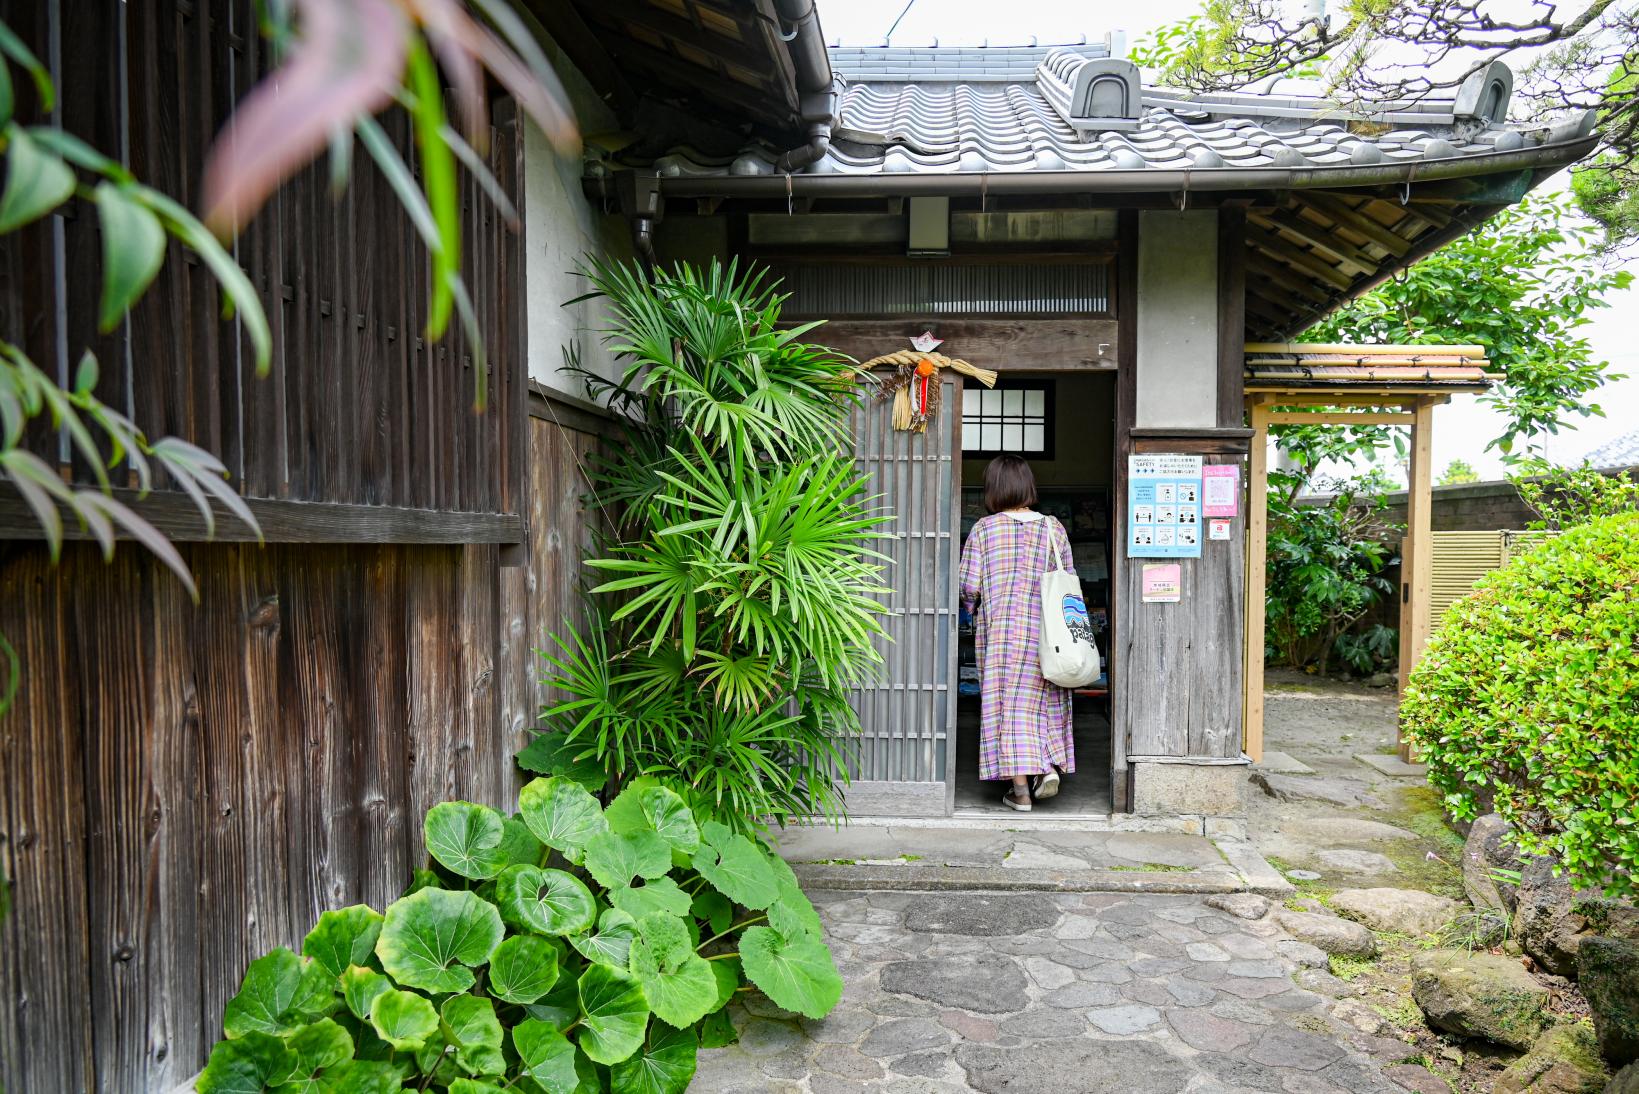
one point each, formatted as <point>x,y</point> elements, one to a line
<point>1257,548</point>
<point>1417,550</point>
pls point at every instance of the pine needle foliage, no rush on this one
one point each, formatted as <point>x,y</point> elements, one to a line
<point>738,591</point>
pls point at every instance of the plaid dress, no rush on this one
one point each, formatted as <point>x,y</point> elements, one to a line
<point>1025,722</point>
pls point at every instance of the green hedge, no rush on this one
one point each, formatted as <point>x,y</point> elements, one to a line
<point>1527,701</point>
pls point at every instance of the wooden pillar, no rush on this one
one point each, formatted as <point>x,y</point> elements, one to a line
<point>1257,550</point>
<point>1417,550</point>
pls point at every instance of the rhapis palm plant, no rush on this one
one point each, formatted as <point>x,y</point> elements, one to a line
<point>740,591</point>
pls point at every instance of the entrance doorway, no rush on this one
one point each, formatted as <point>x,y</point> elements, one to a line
<point>1064,425</point>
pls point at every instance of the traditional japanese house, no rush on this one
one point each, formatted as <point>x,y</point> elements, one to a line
<point>1108,248</point>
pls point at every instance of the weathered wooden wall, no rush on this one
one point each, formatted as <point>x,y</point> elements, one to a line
<point>183,786</point>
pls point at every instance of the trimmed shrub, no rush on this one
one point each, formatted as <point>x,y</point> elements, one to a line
<point>1527,701</point>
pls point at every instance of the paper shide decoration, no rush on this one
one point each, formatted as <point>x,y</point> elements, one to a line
<point>914,384</point>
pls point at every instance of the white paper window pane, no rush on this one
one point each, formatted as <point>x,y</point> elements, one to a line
<point>1012,437</point>
<point>1035,402</point>
<point>1012,402</point>
<point>990,439</point>
<point>970,402</point>
<point>992,403</point>
<point>1035,438</point>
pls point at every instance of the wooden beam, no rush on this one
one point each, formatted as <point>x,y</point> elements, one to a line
<point>1257,553</point>
<point>1007,345</point>
<point>1312,264</point>
<point>611,13</point>
<point>1347,349</point>
<point>563,25</point>
<point>1355,220</point>
<point>1317,237</point>
<point>1284,277</point>
<point>1298,417</point>
<point>1416,554</point>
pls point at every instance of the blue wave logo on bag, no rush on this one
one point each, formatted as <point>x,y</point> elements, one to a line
<point>1075,617</point>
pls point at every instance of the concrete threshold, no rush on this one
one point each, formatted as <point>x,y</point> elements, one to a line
<point>915,878</point>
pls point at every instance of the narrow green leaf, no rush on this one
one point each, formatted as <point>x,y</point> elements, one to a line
<point>133,248</point>
<point>36,182</point>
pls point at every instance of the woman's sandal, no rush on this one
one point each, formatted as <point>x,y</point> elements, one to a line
<point>1046,786</point>
<point>1013,803</point>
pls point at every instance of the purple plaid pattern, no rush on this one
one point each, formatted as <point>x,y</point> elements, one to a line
<point>1026,722</point>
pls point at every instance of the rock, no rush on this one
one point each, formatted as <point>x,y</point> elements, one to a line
<point>1124,1021</point>
<point>1417,1077</point>
<point>981,914</point>
<point>1310,904</point>
<point>1479,995</point>
<point>1607,971</point>
<point>1625,1082</point>
<point>903,1035</point>
<point>1328,932</point>
<point>1078,1065</point>
<point>1207,1032</point>
<point>1487,849</point>
<point>1351,861</point>
<point>1561,1061</point>
<point>1346,830</point>
<point>1240,905</point>
<point>1406,911</point>
<point>1299,788</point>
<point>1380,680</point>
<point>1310,957</point>
<point>984,983</point>
<point>1551,918</point>
<point>1295,1049</point>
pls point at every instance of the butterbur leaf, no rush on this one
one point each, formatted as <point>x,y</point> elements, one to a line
<point>625,813</point>
<point>660,895</point>
<point>717,1028</point>
<point>727,972</point>
<point>796,974</point>
<point>473,1086</point>
<point>714,908</point>
<point>421,879</point>
<point>36,182</point>
<point>615,859</point>
<point>404,1019</point>
<point>247,1064</point>
<point>523,968</point>
<point>546,1056</point>
<point>471,1026</point>
<point>562,815</point>
<point>664,1066</point>
<point>362,1077</point>
<point>267,996</point>
<point>677,982</point>
<point>670,818</point>
<point>793,915</point>
<point>545,901</point>
<point>665,937</point>
<point>430,938</point>
<point>343,937</point>
<point>466,838</point>
<point>560,1007</point>
<point>360,987</point>
<point>735,867</point>
<point>133,248</point>
<point>518,844</point>
<point>613,1014</point>
<point>611,944</point>
<point>321,1044</point>
<point>551,754</point>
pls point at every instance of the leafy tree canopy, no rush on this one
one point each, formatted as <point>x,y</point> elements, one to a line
<point>1458,471</point>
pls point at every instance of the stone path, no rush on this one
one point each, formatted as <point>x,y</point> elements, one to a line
<point>1060,993</point>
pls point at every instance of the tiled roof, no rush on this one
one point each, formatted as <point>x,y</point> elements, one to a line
<point>1003,109</point>
<point>1621,452</point>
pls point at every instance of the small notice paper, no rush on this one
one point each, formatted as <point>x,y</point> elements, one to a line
<point>1220,487</point>
<point>1163,583</point>
<point>1218,528</point>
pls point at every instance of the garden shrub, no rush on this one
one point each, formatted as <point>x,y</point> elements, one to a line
<point>1526,701</point>
<point>569,949</point>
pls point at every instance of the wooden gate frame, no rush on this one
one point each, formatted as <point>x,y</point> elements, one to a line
<point>1385,385</point>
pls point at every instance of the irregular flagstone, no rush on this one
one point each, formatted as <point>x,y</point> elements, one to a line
<point>1205,951</point>
<point>1163,849</point>
<point>980,914</point>
<point>929,1065</point>
<point>1125,1020</point>
<point>989,984</point>
<point>904,1035</point>
<point>1348,830</point>
<point>1078,995</point>
<point>1039,1023</point>
<point>1309,956</point>
<point>843,1026</point>
<point>1295,1048</point>
<point>1207,1032</point>
<point>968,1026</point>
<point>847,1062</point>
<point>1352,861</point>
<point>1075,1066</point>
<point>1295,788</point>
<point>1029,855</point>
<point>1048,974</point>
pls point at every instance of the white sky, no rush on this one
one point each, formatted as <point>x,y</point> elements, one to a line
<point>1461,428</point>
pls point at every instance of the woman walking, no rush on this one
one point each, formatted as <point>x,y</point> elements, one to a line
<point>1025,726</point>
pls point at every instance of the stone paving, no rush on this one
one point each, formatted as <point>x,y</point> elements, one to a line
<point>1060,993</point>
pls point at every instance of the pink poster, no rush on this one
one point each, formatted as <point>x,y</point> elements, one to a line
<point>1220,489</point>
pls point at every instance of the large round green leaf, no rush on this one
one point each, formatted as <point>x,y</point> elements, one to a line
<point>796,974</point>
<point>523,968</point>
<point>247,1064</point>
<point>545,901</point>
<point>474,1086</point>
<point>665,1066</point>
<point>792,913</point>
<point>670,818</point>
<point>363,1077</point>
<point>360,987</point>
<point>660,895</point>
<point>613,1014</point>
<point>611,944</point>
<point>466,838</point>
<point>614,859</point>
<point>560,1007</point>
<point>546,1056</point>
<point>677,982</point>
<point>343,937</point>
<point>280,993</point>
<point>562,815</point>
<point>735,867</point>
<point>321,1044</point>
<point>431,937</point>
<point>518,844</point>
<point>469,1023</point>
<point>404,1019</point>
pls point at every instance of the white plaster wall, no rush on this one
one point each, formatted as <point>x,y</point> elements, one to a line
<point>560,227</point>
<point>1177,381</point>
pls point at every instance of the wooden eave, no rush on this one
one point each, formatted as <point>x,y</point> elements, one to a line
<point>1317,374</point>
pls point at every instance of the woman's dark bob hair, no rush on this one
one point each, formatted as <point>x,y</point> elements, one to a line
<point>1009,484</point>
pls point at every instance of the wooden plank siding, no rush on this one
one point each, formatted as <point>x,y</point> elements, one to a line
<point>184,786</point>
<point>358,407</point>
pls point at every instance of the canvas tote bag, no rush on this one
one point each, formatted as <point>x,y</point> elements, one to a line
<point>1068,656</point>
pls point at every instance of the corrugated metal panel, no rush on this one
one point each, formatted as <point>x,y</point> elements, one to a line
<point>1002,290</point>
